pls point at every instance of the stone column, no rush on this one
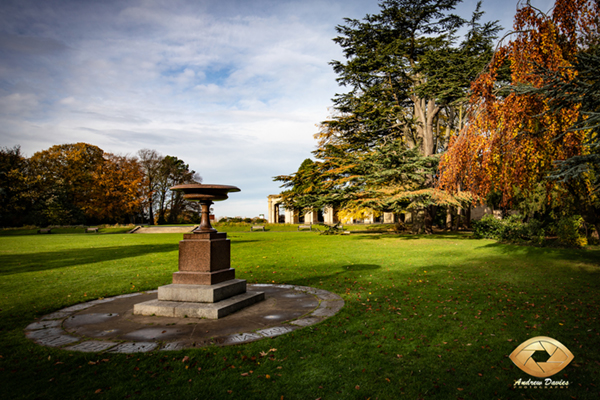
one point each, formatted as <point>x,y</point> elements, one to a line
<point>389,218</point>
<point>329,216</point>
<point>273,215</point>
<point>311,217</point>
<point>292,216</point>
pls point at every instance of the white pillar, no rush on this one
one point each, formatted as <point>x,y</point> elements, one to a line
<point>311,217</point>
<point>291,216</point>
<point>389,218</point>
<point>330,216</point>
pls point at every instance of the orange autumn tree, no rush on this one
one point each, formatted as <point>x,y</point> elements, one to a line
<point>119,189</point>
<point>513,138</point>
<point>61,182</point>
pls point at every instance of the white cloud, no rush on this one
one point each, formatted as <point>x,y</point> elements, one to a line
<point>18,104</point>
<point>232,87</point>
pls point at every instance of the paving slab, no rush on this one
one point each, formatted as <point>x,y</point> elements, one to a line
<point>57,340</point>
<point>175,346</point>
<point>109,324</point>
<point>306,321</point>
<point>242,338</point>
<point>275,331</point>
<point>91,346</point>
<point>56,315</point>
<point>88,319</point>
<point>44,324</point>
<point>134,347</point>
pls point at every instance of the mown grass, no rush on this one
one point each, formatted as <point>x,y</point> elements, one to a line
<point>425,317</point>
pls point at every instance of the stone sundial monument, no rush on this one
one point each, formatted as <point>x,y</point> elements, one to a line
<point>205,285</point>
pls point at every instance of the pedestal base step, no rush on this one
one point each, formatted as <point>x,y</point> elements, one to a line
<point>202,293</point>
<point>198,310</point>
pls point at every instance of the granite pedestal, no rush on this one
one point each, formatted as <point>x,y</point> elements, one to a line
<point>205,285</point>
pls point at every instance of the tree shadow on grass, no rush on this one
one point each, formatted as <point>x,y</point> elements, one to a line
<point>557,253</point>
<point>18,232</point>
<point>336,271</point>
<point>35,262</point>
<point>359,267</point>
<point>410,236</point>
<point>379,236</point>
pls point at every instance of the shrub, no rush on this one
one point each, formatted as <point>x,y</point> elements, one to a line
<point>487,227</point>
<point>536,231</point>
<point>511,229</point>
<point>336,229</point>
<point>568,232</point>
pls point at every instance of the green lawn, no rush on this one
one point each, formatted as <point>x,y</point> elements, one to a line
<point>425,317</point>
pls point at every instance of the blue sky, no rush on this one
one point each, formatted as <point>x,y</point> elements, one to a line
<point>234,88</point>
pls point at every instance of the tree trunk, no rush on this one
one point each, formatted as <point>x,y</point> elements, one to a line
<point>449,218</point>
<point>457,219</point>
<point>150,210</point>
<point>468,217</point>
<point>429,217</point>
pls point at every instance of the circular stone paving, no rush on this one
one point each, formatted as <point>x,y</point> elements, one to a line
<point>109,324</point>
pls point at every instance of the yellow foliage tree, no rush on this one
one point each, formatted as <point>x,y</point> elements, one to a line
<point>513,139</point>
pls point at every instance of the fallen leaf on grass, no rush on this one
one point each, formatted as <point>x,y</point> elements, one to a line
<point>98,391</point>
<point>185,359</point>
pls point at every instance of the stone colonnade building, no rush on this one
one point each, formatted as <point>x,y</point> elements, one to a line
<point>329,215</point>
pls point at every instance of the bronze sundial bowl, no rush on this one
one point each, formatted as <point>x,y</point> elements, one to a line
<point>205,195</point>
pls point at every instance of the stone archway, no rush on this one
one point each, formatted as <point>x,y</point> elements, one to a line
<point>275,208</point>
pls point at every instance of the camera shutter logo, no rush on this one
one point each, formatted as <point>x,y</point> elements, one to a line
<point>559,356</point>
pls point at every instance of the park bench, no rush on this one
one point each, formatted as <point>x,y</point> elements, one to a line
<point>91,230</point>
<point>257,228</point>
<point>309,227</point>
<point>45,230</point>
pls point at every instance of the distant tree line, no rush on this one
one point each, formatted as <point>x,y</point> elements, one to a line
<point>72,184</point>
